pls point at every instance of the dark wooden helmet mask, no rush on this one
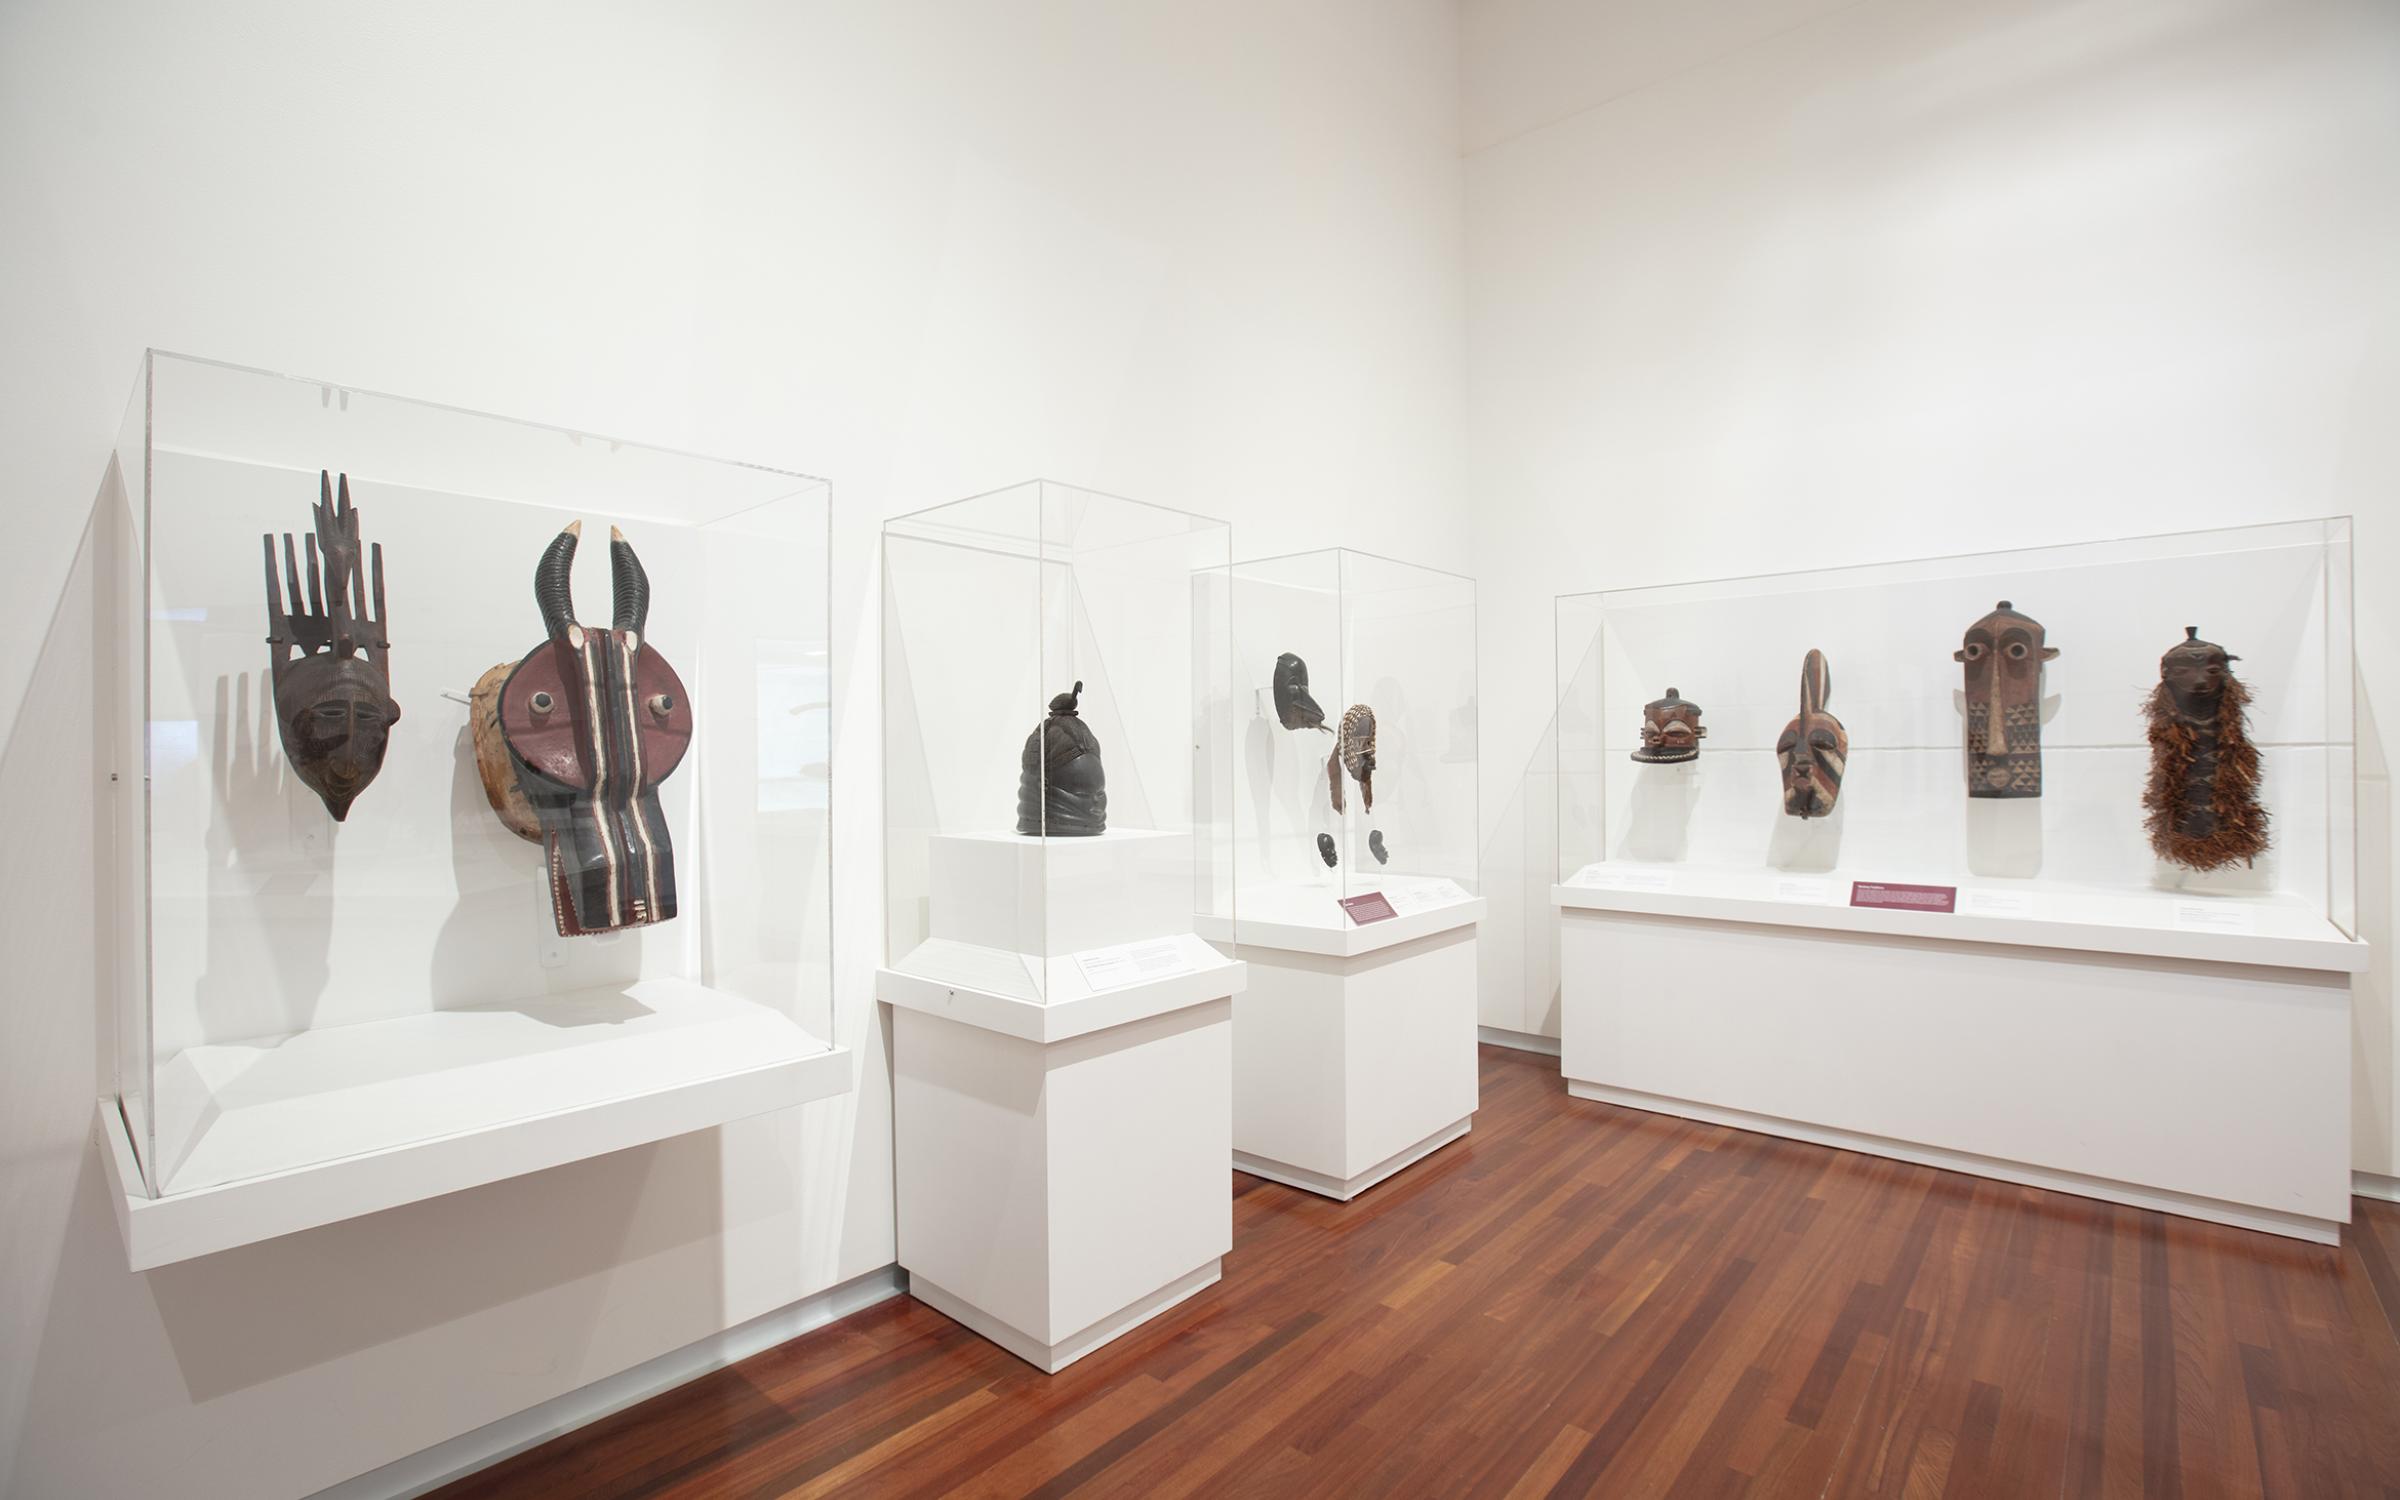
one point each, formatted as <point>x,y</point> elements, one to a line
<point>594,719</point>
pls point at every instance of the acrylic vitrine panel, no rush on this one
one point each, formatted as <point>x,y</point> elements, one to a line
<point>1354,680</point>
<point>997,878</point>
<point>295,989</point>
<point>2278,597</point>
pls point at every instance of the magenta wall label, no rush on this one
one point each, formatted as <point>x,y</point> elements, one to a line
<point>1370,907</point>
<point>1904,897</point>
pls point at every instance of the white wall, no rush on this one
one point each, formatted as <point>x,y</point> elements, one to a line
<point>1846,283</point>
<point>1208,255</point>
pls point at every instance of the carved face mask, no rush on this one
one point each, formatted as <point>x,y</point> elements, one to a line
<point>1353,751</point>
<point>593,721</point>
<point>2004,653</point>
<point>1671,731</point>
<point>1813,747</point>
<point>1294,708</point>
<point>333,699</point>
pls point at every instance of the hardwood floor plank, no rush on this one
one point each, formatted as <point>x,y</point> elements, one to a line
<point>1581,1299</point>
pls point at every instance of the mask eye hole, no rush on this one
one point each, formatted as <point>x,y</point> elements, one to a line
<point>2017,650</point>
<point>542,703</point>
<point>1974,650</point>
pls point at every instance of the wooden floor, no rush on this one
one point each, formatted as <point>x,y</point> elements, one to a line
<point>1583,1300</point>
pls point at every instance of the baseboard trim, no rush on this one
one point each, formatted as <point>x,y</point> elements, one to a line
<point>1343,1189</point>
<point>420,1473</point>
<point>2133,1195</point>
<point>1523,1041</point>
<point>1052,1358</point>
<point>2375,1185</point>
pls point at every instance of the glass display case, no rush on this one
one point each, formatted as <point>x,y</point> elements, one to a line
<point>2024,802</point>
<point>1354,781</point>
<point>1058,756</point>
<point>347,854</point>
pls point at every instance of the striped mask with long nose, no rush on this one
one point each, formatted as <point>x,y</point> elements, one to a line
<point>594,720</point>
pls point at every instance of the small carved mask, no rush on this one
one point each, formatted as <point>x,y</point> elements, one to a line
<point>1671,731</point>
<point>2003,653</point>
<point>593,720</point>
<point>332,660</point>
<point>2194,673</point>
<point>1353,751</point>
<point>1294,708</point>
<point>1813,747</point>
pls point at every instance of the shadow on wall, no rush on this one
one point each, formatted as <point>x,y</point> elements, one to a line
<point>300,1361</point>
<point>1520,927</point>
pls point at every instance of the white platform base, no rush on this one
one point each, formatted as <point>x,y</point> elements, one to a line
<point>1308,918</point>
<point>2321,1231</point>
<point>2215,1090</point>
<point>264,1138</point>
<point>1346,1070</point>
<point>1052,1358</point>
<point>1004,891</point>
<point>1061,1170</point>
<point>1344,1189</point>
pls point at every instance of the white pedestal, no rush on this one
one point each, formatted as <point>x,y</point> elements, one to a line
<point>1061,1168</point>
<point>1052,897</point>
<point>1347,1069</point>
<point>2214,1087</point>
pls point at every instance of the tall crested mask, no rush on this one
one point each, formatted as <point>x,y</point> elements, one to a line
<point>574,740</point>
<point>2003,653</point>
<point>1814,748</point>
<point>331,653</point>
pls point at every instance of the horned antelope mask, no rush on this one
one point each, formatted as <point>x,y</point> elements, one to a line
<point>593,720</point>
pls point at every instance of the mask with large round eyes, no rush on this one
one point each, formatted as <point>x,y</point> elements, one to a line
<point>332,655</point>
<point>1671,730</point>
<point>574,740</point>
<point>2003,654</point>
<point>1814,749</point>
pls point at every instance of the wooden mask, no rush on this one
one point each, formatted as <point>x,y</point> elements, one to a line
<point>1813,747</point>
<point>1353,751</point>
<point>1294,708</point>
<point>2004,653</point>
<point>1671,731</point>
<point>332,660</point>
<point>2202,796</point>
<point>593,720</point>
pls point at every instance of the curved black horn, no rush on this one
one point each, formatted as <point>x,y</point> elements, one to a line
<point>632,585</point>
<point>553,587</point>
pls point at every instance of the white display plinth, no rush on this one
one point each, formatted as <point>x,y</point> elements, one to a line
<point>287,1133</point>
<point>1061,1168</point>
<point>1347,1069</point>
<point>2198,1073</point>
<point>1057,896</point>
